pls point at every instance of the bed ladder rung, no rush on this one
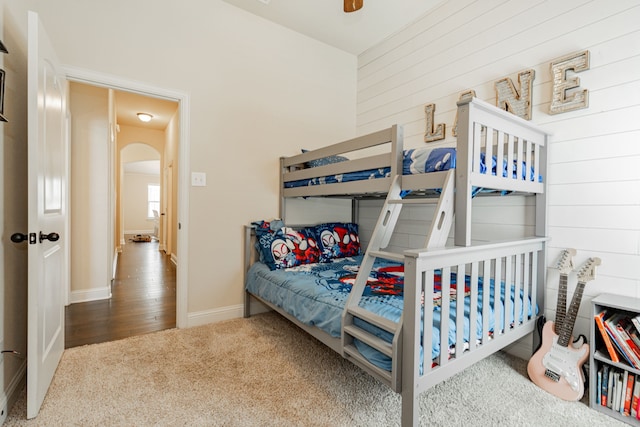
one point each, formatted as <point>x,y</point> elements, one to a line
<point>374,319</point>
<point>422,201</point>
<point>383,375</point>
<point>391,256</point>
<point>370,339</point>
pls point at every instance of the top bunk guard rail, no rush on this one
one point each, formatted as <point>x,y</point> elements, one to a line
<point>509,140</point>
<point>519,149</point>
<point>486,134</point>
<point>293,168</point>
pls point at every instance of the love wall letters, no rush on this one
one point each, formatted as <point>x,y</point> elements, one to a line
<point>565,95</point>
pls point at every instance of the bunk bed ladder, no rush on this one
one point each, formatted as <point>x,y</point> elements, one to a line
<point>383,231</point>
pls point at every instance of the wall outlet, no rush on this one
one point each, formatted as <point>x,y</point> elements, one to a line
<point>198,179</point>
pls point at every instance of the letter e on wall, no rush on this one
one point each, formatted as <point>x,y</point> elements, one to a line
<point>564,97</point>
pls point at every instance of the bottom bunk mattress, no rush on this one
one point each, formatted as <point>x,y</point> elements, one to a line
<point>316,294</point>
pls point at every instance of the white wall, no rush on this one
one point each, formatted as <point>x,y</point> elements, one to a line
<point>134,200</point>
<point>257,91</point>
<point>90,205</point>
<point>594,176</point>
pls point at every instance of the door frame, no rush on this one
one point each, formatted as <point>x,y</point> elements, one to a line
<point>94,78</point>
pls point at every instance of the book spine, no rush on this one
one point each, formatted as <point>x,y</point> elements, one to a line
<point>634,402</point>
<point>610,398</point>
<point>605,337</point>
<point>634,399</point>
<point>628,396</point>
<point>636,322</point>
<point>627,345</point>
<point>599,387</point>
<point>617,346</point>
<point>635,336</point>
<point>623,390</point>
<point>604,393</point>
<point>619,401</point>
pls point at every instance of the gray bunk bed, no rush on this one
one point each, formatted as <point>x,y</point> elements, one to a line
<point>489,139</point>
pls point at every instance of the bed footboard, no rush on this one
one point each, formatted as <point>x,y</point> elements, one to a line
<point>503,292</point>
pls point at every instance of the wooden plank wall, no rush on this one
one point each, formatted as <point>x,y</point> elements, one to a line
<point>594,171</point>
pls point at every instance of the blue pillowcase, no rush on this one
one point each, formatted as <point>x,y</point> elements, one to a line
<point>337,240</point>
<point>284,247</point>
<point>416,161</point>
<point>324,161</point>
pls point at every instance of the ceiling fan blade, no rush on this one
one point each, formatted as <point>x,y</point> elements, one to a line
<point>352,5</point>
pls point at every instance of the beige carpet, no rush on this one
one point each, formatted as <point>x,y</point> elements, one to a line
<point>263,371</point>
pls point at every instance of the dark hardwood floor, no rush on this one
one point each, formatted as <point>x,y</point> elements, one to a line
<point>143,300</point>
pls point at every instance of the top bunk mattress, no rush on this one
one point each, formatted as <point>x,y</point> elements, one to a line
<point>415,162</point>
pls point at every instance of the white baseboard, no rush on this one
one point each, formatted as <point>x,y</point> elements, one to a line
<point>91,294</point>
<point>226,313</point>
<point>213,316</point>
<point>9,396</point>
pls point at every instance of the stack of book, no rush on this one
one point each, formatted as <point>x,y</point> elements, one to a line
<point>619,391</point>
<point>621,335</point>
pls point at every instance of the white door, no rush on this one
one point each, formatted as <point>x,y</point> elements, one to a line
<point>47,181</point>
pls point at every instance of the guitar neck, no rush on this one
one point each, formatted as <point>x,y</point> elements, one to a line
<point>564,337</point>
<point>561,306</point>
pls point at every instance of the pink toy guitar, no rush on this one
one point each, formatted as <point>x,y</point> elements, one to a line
<point>557,366</point>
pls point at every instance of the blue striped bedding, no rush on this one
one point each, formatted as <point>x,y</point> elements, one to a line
<point>415,161</point>
<point>316,294</point>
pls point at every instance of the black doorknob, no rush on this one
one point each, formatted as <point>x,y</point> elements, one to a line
<point>19,237</point>
<point>52,237</point>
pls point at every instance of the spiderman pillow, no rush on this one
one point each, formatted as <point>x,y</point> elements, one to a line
<point>337,240</point>
<point>285,247</point>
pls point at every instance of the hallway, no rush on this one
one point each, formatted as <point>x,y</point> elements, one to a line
<point>143,299</point>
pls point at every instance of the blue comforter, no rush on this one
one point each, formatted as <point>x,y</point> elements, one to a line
<point>316,294</point>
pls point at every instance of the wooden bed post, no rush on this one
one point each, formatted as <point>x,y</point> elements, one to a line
<point>281,210</point>
<point>248,247</point>
<point>410,344</point>
<point>355,210</point>
<point>463,181</point>
<point>397,147</point>
<point>541,225</point>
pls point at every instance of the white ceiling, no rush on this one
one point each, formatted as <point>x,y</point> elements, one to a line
<point>128,105</point>
<point>325,20</point>
<point>146,167</point>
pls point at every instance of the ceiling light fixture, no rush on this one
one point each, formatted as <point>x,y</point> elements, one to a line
<point>145,117</point>
<point>352,5</point>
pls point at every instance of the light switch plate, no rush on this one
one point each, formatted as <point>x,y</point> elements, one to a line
<point>198,179</point>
